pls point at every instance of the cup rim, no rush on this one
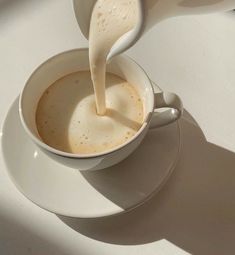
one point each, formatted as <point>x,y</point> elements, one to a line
<point>46,147</point>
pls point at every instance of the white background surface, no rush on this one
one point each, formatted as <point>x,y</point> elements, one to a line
<point>192,56</point>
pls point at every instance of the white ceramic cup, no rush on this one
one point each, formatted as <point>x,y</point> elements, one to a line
<point>77,60</point>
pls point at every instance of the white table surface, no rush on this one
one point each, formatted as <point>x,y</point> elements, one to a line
<point>195,211</point>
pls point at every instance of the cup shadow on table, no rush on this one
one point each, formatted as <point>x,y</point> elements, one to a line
<point>195,209</point>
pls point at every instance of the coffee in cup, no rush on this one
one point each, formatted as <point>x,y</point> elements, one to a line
<point>67,118</point>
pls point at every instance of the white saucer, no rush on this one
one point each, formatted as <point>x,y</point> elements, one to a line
<point>69,192</point>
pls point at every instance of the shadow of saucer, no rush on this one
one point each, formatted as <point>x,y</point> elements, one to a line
<point>194,210</point>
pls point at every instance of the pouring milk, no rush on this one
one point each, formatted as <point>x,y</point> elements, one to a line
<point>110,20</point>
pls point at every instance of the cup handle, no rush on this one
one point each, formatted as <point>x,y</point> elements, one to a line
<point>165,117</point>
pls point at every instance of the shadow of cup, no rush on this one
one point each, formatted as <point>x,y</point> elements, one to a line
<point>195,209</point>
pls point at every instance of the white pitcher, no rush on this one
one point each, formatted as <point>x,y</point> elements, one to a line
<point>150,12</point>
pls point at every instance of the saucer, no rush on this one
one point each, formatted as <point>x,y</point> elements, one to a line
<point>88,194</point>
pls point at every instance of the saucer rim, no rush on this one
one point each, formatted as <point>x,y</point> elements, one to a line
<point>99,215</point>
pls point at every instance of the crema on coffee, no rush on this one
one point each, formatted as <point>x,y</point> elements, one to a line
<point>67,118</point>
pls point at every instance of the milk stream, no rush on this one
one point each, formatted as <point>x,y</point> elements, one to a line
<point>109,21</point>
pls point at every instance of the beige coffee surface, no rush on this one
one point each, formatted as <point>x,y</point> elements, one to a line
<point>67,120</point>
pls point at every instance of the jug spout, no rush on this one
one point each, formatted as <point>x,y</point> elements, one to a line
<point>150,12</point>
<point>154,11</point>
<point>83,11</point>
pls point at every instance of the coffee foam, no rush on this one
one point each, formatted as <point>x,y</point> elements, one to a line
<point>67,120</point>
